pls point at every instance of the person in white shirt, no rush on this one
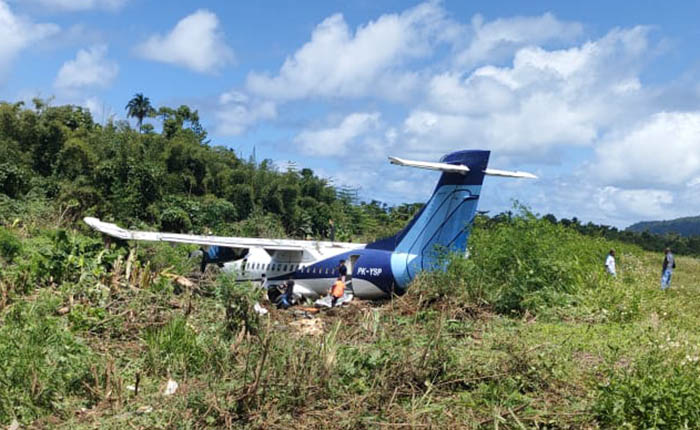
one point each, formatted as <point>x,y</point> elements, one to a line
<point>610,263</point>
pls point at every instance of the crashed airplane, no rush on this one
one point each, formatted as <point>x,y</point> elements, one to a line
<point>377,269</point>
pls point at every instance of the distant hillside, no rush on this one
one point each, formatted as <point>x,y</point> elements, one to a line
<point>688,226</point>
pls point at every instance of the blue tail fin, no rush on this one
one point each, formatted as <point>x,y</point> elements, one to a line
<point>443,223</point>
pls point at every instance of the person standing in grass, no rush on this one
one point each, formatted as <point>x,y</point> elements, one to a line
<point>610,263</point>
<point>667,269</point>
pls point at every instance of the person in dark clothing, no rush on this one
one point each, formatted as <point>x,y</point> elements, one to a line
<point>342,271</point>
<point>667,269</point>
<point>285,300</point>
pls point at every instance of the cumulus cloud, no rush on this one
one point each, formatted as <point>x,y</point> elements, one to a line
<point>81,5</point>
<point>337,140</point>
<point>237,112</point>
<point>546,99</point>
<point>17,33</point>
<point>338,62</point>
<point>90,68</point>
<point>663,149</point>
<point>638,202</point>
<point>495,40</point>
<point>196,43</point>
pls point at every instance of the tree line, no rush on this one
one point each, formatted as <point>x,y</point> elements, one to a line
<point>57,159</point>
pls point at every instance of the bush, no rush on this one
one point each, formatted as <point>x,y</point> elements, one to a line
<point>521,264</point>
<point>42,361</point>
<point>659,392</point>
<point>10,246</point>
<point>175,347</point>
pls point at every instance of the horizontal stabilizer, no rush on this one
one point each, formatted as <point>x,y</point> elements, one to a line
<point>509,174</point>
<point>444,167</point>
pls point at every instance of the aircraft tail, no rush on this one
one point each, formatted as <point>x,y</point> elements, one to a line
<point>443,225</point>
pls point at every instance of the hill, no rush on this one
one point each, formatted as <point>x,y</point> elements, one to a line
<point>687,226</point>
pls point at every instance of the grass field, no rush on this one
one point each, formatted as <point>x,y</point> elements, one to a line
<point>527,333</point>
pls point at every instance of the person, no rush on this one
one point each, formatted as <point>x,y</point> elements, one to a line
<point>342,271</point>
<point>667,269</point>
<point>610,263</point>
<point>337,291</point>
<point>285,300</point>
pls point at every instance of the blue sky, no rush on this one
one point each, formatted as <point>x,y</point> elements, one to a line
<point>600,99</point>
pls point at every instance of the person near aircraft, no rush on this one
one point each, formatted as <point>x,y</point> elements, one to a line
<point>667,269</point>
<point>337,291</point>
<point>286,299</point>
<point>342,270</point>
<point>610,263</point>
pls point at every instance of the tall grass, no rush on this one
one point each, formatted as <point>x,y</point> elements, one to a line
<point>522,264</point>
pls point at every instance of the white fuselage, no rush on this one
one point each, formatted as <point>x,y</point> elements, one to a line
<point>314,270</point>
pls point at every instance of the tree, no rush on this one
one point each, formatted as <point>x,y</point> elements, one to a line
<point>139,107</point>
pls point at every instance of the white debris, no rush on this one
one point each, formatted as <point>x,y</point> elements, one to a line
<point>259,309</point>
<point>144,410</point>
<point>131,387</point>
<point>325,302</point>
<point>14,425</point>
<point>171,388</point>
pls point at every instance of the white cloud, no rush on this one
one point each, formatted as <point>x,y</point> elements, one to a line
<point>337,62</point>
<point>100,111</point>
<point>546,99</point>
<point>337,140</point>
<point>663,149</point>
<point>237,112</point>
<point>17,33</point>
<point>90,68</point>
<point>635,203</point>
<point>196,42</point>
<point>498,39</point>
<point>81,5</point>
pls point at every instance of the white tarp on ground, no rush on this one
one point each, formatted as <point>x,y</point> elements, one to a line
<point>325,302</point>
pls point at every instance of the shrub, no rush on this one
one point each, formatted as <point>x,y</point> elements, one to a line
<point>659,392</point>
<point>175,347</point>
<point>42,361</point>
<point>10,246</point>
<point>521,263</point>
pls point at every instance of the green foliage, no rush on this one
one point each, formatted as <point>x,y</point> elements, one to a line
<point>41,360</point>
<point>10,246</point>
<point>660,391</point>
<point>175,348</point>
<point>238,299</point>
<point>524,263</point>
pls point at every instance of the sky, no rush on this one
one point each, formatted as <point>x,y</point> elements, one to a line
<point>600,99</point>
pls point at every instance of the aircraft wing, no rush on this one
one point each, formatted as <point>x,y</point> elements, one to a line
<point>229,242</point>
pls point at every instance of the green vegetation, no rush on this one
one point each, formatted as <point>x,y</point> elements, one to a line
<point>687,226</point>
<point>529,332</point>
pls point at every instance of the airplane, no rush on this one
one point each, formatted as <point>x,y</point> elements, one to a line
<point>374,270</point>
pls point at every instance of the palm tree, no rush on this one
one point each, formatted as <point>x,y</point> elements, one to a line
<point>139,107</point>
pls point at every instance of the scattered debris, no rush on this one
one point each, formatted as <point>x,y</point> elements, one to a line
<point>14,425</point>
<point>308,327</point>
<point>144,410</point>
<point>170,388</point>
<point>64,310</point>
<point>181,280</point>
<point>325,302</point>
<point>259,309</point>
